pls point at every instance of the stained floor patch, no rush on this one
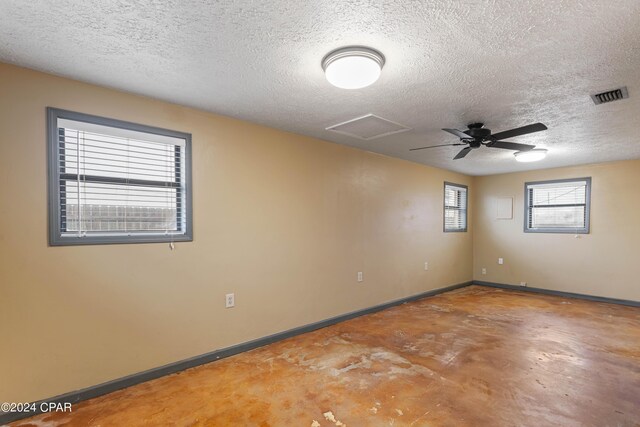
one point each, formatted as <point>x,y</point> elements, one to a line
<point>472,357</point>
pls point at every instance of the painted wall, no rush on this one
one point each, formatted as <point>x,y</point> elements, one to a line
<point>605,262</point>
<point>282,220</point>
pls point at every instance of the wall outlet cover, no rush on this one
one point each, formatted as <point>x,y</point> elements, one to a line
<point>230,300</point>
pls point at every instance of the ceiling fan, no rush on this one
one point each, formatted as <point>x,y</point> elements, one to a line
<point>477,136</point>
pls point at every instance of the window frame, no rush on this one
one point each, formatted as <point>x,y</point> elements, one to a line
<point>56,237</point>
<point>559,230</point>
<point>444,211</point>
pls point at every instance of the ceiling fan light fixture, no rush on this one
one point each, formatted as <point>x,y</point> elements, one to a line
<point>531,155</point>
<point>353,67</point>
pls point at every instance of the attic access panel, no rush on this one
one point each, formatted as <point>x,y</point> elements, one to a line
<point>368,127</point>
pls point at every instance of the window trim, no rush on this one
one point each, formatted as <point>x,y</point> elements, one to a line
<point>444,208</point>
<point>563,230</point>
<point>53,173</point>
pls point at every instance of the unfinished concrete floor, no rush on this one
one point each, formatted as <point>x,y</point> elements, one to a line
<point>473,357</point>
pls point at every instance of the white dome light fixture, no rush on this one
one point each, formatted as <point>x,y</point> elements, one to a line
<point>531,155</point>
<point>353,67</point>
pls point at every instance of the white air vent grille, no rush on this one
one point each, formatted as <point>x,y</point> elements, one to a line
<point>368,127</point>
<point>610,96</point>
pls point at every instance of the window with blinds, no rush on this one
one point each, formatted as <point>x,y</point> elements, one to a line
<point>455,207</point>
<point>116,182</point>
<point>560,206</point>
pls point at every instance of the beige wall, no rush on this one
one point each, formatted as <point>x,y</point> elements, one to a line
<point>605,262</point>
<point>282,220</point>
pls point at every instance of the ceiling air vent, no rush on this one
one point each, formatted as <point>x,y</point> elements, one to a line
<point>610,96</point>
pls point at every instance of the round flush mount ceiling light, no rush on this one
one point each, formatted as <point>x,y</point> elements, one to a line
<point>353,67</point>
<point>531,155</point>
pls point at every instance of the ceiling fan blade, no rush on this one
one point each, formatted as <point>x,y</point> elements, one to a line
<point>510,145</point>
<point>433,146</point>
<point>462,153</point>
<point>536,127</point>
<point>457,133</point>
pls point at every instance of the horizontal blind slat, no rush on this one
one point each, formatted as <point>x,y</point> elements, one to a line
<point>76,138</point>
<point>131,173</point>
<point>73,149</point>
<point>104,159</point>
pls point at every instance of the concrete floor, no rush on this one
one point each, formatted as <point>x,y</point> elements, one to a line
<point>473,357</point>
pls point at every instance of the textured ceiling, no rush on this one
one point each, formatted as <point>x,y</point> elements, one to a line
<point>505,63</point>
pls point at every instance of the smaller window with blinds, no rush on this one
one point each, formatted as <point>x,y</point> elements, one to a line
<point>455,207</point>
<point>560,206</point>
<point>112,181</point>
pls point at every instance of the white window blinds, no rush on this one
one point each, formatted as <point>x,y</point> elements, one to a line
<point>558,206</point>
<point>118,185</point>
<point>455,207</point>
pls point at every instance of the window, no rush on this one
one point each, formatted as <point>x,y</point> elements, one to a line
<point>560,206</point>
<point>455,207</point>
<point>116,182</point>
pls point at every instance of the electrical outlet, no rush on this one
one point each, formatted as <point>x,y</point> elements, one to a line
<point>426,266</point>
<point>360,276</point>
<point>500,261</point>
<point>523,283</point>
<point>230,300</point>
<point>484,271</point>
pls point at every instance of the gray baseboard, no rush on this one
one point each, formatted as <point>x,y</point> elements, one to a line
<point>559,293</point>
<point>130,380</point>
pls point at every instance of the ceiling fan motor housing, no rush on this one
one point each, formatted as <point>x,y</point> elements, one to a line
<point>478,133</point>
<point>477,130</point>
